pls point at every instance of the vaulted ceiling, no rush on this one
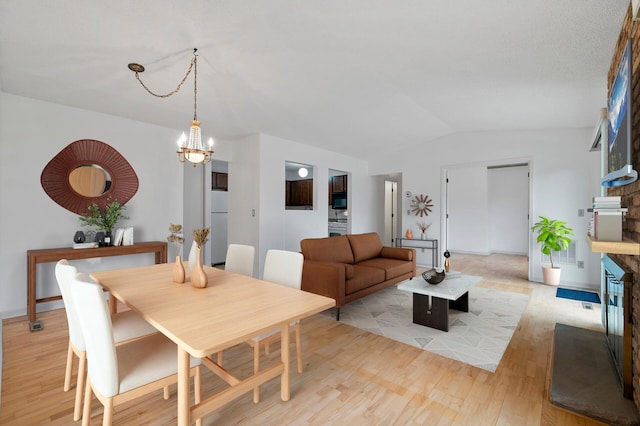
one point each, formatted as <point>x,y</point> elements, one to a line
<point>358,77</point>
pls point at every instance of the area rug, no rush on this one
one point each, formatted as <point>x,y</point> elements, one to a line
<point>478,337</point>
<point>582,296</point>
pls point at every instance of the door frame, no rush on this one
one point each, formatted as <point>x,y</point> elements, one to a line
<point>444,210</point>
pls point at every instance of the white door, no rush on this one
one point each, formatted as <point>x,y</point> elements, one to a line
<point>467,209</point>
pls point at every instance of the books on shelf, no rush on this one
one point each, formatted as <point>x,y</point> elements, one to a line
<point>608,198</point>
<point>612,202</point>
<point>606,221</point>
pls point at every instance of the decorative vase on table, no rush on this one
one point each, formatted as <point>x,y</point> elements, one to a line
<point>198,276</point>
<point>423,236</point>
<point>178,271</point>
<point>408,235</point>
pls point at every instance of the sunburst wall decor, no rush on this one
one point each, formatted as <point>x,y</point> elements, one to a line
<point>421,205</point>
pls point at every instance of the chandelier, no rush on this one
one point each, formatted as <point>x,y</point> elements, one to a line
<point>189,149</point>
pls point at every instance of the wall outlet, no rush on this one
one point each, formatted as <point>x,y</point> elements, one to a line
<point>580,212</point>
<point>580,264</point>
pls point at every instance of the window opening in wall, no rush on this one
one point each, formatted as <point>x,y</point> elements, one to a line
<point>299,186</point>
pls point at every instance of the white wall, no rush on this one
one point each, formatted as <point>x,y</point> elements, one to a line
<point>565,175</point>
<point>244,193</point>
<point>283,229</point>
<point>508,195</point>
<point>31,133</point>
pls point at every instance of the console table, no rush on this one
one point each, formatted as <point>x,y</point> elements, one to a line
<point>55,254</point>
<point>421,244</point>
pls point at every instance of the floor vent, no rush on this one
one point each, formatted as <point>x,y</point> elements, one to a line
<point>587,305</point>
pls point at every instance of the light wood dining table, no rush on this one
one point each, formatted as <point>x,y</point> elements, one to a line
<point>232,309</point>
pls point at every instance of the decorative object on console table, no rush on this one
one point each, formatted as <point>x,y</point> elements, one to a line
<point>176,237</point>
<point>198,276</point>
<point>104,217</point>
<point>423,226</point>
<point>79,237</point>
<point>408,235</point>
<point>553,235</point>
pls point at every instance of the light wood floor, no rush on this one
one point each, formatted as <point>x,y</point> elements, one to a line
<point>350,376</point>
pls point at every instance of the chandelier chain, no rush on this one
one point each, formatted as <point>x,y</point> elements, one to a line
<point>195,85</point>
<point>173,92</point>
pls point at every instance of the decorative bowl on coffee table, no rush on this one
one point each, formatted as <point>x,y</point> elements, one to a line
<point>433,277</point>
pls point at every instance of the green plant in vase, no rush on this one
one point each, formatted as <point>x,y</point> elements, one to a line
<point>553,235</point>
<point>103,218</point>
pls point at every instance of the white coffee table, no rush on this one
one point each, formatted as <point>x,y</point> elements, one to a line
<point>431,302</point>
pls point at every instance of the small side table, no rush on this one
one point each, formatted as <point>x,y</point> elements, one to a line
<point>428,244</point>
<point>431,303</point>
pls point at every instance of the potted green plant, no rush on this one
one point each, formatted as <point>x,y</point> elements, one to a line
<point>553,235</point>
<point>104,219</point>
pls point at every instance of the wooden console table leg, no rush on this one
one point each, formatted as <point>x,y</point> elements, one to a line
<point>431,311</point>
<point>31,294</point>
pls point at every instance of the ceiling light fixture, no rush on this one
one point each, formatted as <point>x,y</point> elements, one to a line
<point>302,172</point>
<point>191,149</point>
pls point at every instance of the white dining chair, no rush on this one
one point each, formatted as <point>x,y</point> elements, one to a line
<point>121,373</point>
<point>127,325</point>
<point>240,259</point>
<point>285,268</point>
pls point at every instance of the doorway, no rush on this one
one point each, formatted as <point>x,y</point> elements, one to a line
<point>390,213</point>
<point>487,208</point>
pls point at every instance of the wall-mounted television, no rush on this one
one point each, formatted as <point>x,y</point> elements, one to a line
<point>619,164</point>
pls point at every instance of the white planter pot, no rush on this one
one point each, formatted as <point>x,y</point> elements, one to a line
<point>551,276</point>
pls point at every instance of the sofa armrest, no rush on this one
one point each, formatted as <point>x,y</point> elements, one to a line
<point>325,279</point>
<point>398,253</point>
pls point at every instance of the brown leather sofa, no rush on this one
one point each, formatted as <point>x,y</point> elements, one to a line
<point>348,267</point>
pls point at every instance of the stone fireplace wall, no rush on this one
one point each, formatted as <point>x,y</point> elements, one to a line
<point>631,193</point>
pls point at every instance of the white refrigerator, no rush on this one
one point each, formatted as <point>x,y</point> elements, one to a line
<point>219,212</point>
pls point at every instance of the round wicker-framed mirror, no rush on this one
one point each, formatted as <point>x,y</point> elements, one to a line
<point>88,171</point>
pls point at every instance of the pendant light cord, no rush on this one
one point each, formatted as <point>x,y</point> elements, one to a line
<point>192,65</point>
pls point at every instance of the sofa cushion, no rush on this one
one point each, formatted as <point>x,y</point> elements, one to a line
<point>363,277</point>
<point>393,268</point>
<point>365,246</point>
<point>330,249</point>
<point>397,253</point>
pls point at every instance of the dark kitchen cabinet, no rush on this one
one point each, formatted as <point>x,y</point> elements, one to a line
<point>337,184</point>
<point>219,181</point>
<point>299,192</point>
